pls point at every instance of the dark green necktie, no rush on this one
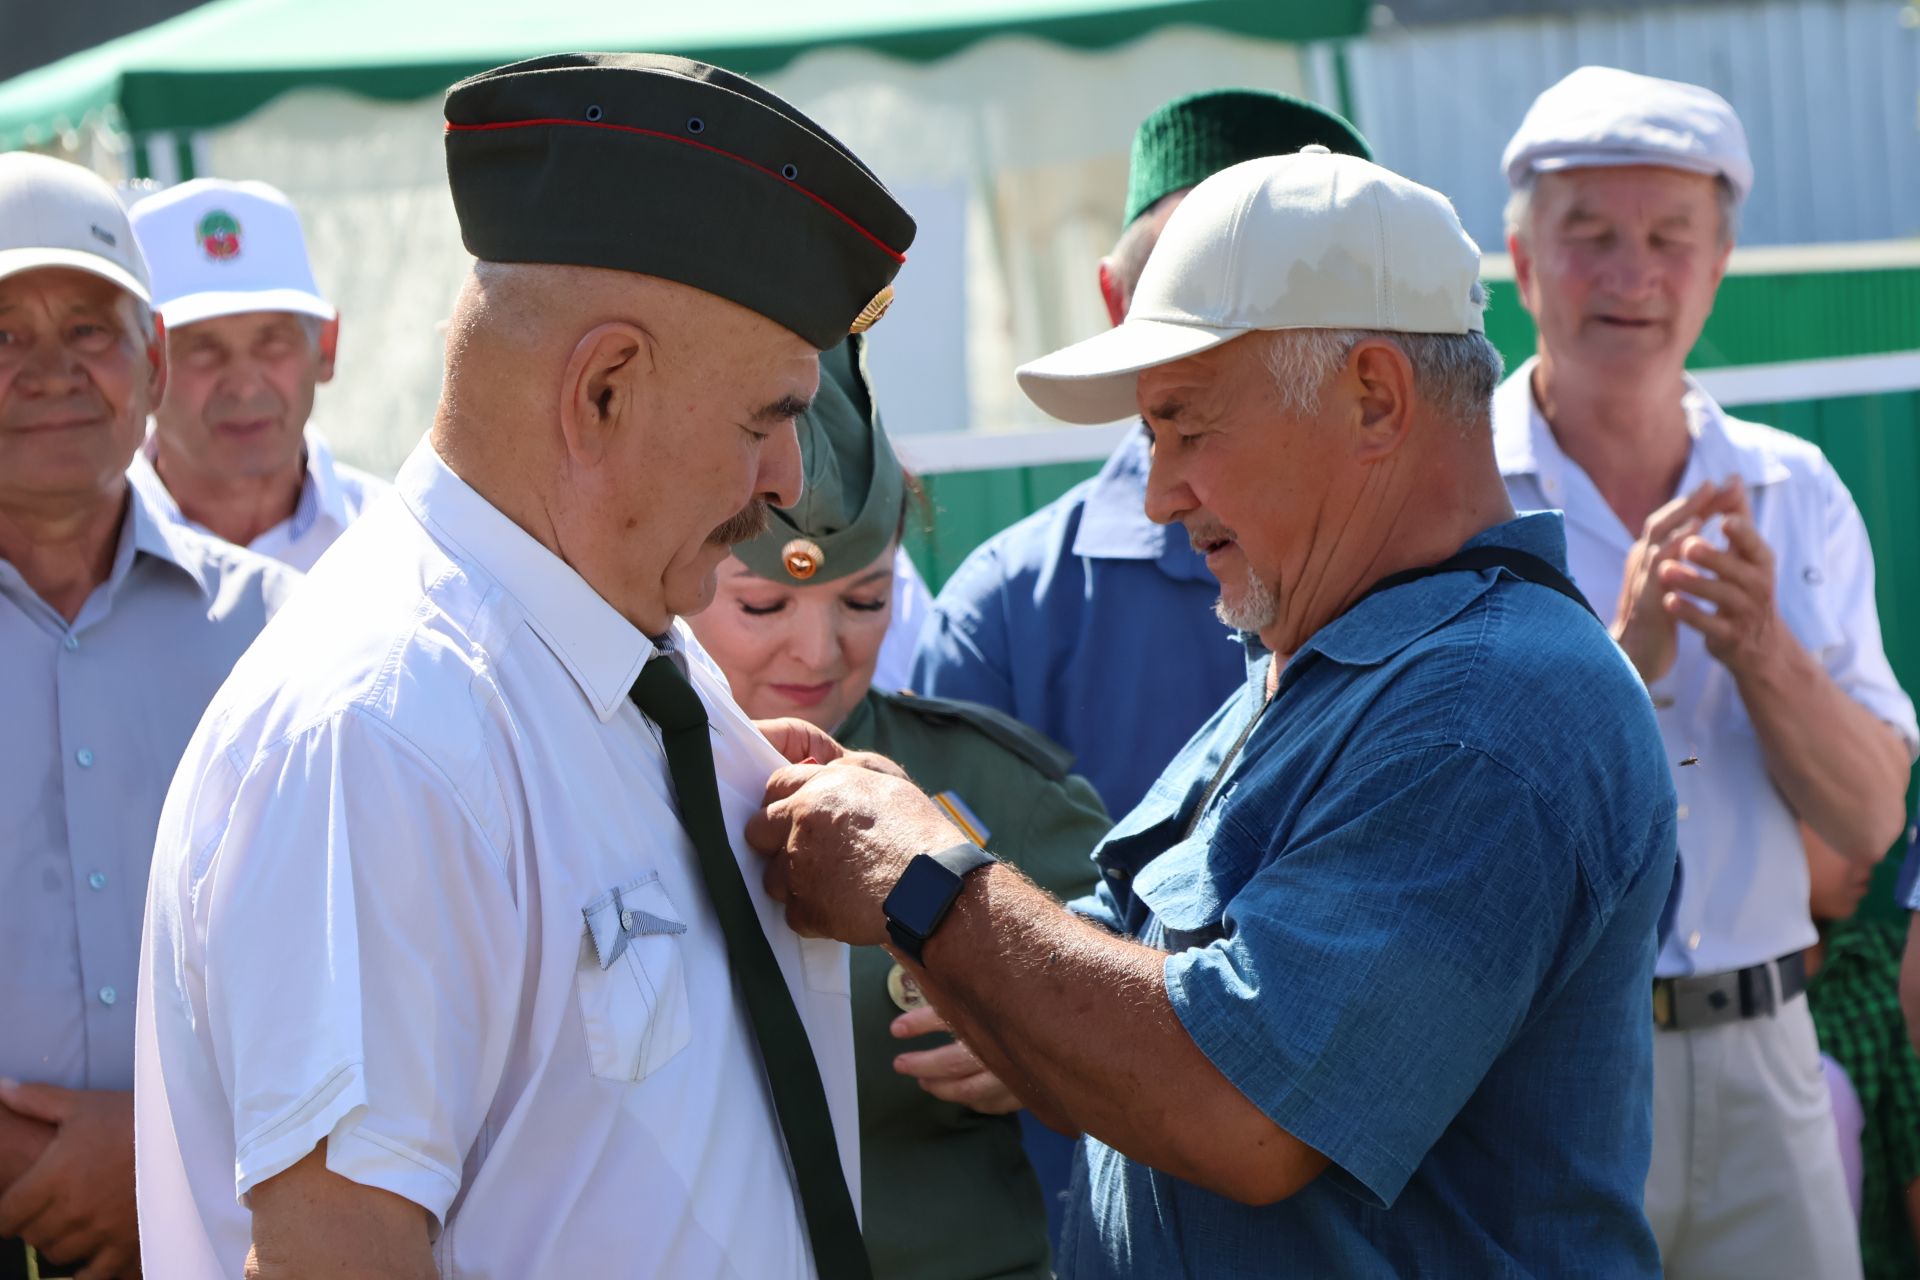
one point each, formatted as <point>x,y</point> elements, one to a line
<point>664,697</point>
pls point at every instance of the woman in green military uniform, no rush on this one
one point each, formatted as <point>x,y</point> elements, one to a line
<point>796,625</point>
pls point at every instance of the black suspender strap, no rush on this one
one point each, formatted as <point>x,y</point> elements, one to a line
<point>1521,564</point>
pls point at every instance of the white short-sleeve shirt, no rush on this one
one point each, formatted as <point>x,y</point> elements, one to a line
<point>381,872</point>
<point>1743,897</point>
<point>332,496</point>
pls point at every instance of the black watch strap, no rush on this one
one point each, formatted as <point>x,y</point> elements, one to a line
<point>926,890</point>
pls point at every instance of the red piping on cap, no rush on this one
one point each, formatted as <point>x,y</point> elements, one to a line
<point>877,242</point>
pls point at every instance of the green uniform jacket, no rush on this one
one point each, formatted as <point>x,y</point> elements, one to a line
<point>948,1194</point>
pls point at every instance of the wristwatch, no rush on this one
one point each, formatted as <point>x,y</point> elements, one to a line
<point>925,891</point>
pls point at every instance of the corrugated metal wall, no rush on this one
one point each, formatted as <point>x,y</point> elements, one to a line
<point>1828,90</point>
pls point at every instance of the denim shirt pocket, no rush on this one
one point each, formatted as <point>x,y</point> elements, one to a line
<point>1189,886</point>
<point>631,982</point>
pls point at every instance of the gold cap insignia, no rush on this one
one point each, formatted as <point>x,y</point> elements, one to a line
<point>905,991</point>
<point>871,313</point>
<point>802,558</point>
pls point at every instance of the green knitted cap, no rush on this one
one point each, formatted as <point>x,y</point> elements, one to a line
<point>1192,138</point>
<point>849,510</point>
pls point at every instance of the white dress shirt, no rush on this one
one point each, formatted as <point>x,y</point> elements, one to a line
<point>384,910</point>
<point>96,714</point>
<point>1743,897</point>
<point>332,496</point>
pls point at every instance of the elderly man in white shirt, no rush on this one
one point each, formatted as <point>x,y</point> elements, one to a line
<point>451,965</point>
<point>249,339</point>
<point>116,628</point>
<point>1736,570</point>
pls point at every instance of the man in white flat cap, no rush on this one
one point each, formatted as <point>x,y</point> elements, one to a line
<point>250,338</point>
<point>1735,573</point>
<point>1364,989</point>
<point>116,627</point>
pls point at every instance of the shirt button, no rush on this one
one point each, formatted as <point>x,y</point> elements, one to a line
<point>1681,813</point>
<point>626,919</point>
<point>108,995</point>
<point>1693,940</point>
<point>97,880</point>
<point>84,757</point>
<point>1117,874</point>
<point>72,642</point>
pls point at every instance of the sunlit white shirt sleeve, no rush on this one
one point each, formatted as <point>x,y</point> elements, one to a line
<point>1853,654</point>
<point>383,1020</point>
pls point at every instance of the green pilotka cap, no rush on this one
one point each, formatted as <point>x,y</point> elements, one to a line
<point>1192,138</point>
<point>668,167</point>
<point>855,491</point>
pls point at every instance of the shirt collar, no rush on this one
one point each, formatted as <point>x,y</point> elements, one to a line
<point>320,491</point>
<point>1113,519</point>
<point>322,483</point>
<point>601,650</point>
<point>1380,626</point>
<point>155,535</point>
<point>1523,442</point>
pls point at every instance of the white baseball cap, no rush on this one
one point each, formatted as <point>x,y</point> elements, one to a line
<point>1602,116</point>
<point>56,214</point>
<point>219,248</point>
<point>1307,241</point>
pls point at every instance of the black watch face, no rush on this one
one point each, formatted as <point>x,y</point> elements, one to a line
<point>921,895</point>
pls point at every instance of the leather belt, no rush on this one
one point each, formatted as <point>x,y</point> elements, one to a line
<point>1714,999</point>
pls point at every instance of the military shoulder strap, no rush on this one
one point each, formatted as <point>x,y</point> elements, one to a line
<point>1029,744</point>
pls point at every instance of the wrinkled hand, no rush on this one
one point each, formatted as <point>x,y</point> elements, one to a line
<point>1643,623</point>
<point>950,1071</point>
<point>1742,627</point>
<point>76,1202</point>
<point>836,837</point>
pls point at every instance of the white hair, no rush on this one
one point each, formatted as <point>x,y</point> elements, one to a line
<point>1455,373</point>
<point>1520,208</point>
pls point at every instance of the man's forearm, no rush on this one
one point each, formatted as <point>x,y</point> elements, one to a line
<point>1842,770</point>
<point>21,1142</point>
<point>1078,1023</point>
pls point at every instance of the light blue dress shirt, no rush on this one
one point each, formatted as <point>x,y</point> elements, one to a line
<point>1047,619</point>
<point>1414,926</point>
<point>96,715</point>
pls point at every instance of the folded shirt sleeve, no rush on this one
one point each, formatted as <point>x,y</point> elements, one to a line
<point>363,963</point>
<point>1421,902</point>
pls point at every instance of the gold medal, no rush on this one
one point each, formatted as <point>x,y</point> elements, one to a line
<point>904,990</point>
<point>802,558</point>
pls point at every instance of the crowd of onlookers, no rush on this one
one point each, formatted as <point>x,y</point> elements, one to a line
<point>164,495</point>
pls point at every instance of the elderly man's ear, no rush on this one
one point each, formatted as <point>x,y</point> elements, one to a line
<point>1378,381</point>
<point>605,377</point>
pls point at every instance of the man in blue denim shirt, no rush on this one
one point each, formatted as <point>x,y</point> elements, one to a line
<point>1366,990</point>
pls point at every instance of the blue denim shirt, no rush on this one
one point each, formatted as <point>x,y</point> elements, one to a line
<point>1047,618</point>
<point>1415,926</point>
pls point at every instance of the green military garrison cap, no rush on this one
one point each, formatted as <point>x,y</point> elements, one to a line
<point>668,167</point>
<point>1192,138</point>
<point>850,507</point>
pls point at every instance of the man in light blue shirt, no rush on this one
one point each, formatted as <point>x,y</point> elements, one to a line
<point>117,627</point>
<point>1366,988</point>
<point>1045,617</point>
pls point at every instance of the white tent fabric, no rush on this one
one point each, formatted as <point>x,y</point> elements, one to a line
<point>1012,155</point>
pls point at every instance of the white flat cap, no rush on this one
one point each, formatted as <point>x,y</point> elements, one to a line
<point>1306,241</point>
<point>1602,116</point>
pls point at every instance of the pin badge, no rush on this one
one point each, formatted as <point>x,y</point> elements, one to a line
<point>802,558</point>
<point>871,313</point>
<point>904,990</point>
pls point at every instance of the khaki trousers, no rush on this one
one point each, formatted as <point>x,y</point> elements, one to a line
<point>1746,1182</point>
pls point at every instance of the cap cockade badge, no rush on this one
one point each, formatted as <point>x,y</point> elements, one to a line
<point>802,558</point>
<point>871,313</point>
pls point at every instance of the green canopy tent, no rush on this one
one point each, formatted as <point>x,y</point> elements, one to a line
<point>216,64</point>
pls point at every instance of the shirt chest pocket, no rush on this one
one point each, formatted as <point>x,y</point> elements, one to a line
<point>1189,886</point>
<point>631,982</point>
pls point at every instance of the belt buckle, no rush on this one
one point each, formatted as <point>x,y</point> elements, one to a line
<point>1662,1004</point>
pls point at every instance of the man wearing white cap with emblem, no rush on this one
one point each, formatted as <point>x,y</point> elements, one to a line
<point>249,339</point>
<point>116,627</point>
<point>1364,988</point>
<point>1735,573</point>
